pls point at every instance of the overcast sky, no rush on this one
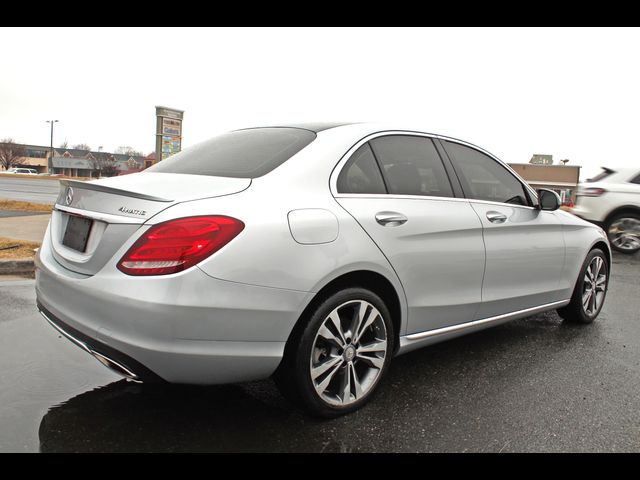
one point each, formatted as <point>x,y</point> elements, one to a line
<point>572,93</point>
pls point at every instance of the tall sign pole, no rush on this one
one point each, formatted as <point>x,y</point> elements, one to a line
<point>50,162</point>
<point>168,132</point>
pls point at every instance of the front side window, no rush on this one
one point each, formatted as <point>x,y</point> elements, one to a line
<point>483,178</point>
<point>636,179</point>
<point>361,174</point>
<point>411,166</point>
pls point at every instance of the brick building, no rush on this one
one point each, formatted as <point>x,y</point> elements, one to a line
<point>82,163</point>
<point>561,178</point>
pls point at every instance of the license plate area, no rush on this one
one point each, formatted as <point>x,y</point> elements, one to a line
<point>77,232</point>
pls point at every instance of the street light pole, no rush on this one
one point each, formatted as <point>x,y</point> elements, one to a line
<point>50,166</point>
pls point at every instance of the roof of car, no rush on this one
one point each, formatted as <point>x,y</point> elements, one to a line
<point>320,126</point>
<point>312,127</point>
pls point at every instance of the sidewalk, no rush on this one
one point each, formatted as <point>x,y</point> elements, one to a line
<point>28,227</point>
<point>25,227</point>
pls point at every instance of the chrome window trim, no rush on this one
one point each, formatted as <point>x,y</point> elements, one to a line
<point>426,197</point>
<point>400,197</point>
<point>335,173</point>
<point>500,204</point>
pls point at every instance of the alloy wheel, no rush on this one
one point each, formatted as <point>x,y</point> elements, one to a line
<point>348,353</point>
<point>594,286</point>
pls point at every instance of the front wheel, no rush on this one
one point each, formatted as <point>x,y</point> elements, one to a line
<point>334,364</point>
<point>590,290</point>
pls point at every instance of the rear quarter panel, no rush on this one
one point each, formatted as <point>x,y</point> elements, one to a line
<point>266,253</point>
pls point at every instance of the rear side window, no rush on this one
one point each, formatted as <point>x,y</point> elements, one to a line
<point>636,179</point>
<point>411,166</point>
<point>483,178</point>
<point>361,173</point>
<point>242,154</point>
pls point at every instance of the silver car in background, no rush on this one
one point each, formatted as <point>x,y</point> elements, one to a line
<point>309,253</point>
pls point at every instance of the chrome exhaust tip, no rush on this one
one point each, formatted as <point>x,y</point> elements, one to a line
<point>103,359</point>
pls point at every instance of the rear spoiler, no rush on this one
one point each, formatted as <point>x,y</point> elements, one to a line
<point>117,191</point>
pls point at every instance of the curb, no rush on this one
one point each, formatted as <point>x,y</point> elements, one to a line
<point>19,266</point>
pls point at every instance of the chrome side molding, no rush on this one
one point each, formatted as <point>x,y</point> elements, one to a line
<point>414,337</point>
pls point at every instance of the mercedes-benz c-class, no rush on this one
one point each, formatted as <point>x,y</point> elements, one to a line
<point>312,254</point>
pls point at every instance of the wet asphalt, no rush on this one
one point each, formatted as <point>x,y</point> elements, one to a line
<point>533,385</point>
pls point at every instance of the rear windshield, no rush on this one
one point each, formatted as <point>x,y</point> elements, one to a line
<point>243,154</point>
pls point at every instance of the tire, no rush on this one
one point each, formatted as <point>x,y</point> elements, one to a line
<point>587,301</point>
<point>623,232</point>
<point>328,368</point>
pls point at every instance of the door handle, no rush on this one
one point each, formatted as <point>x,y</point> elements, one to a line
<point>496,217</point>
<point>390,219</point>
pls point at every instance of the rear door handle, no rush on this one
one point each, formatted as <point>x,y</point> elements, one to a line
<point>390,219</point>
<point>496,217</point>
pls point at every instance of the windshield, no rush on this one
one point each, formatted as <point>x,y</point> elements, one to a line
<point>242,154</point>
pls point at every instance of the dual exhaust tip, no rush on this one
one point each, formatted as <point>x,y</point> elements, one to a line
<point>103,359</point>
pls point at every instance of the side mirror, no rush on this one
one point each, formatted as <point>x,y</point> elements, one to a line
<point>548,200</point>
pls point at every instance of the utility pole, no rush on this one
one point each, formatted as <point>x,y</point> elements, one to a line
<point>50,163</point>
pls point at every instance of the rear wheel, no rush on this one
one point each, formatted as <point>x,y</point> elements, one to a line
<point>624,232</point>
<point>590,290</point>
<point>334,364</point>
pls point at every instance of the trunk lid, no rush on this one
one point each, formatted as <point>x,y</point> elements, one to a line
<point>92,220</point>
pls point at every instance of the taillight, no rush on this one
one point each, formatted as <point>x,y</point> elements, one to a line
<point>176,245</point>
<point>590,192</point>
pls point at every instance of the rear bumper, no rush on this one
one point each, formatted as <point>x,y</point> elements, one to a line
<point>183,328</point>
<point>109,357</point>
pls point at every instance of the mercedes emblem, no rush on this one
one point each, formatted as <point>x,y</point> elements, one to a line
<point>68,197</point>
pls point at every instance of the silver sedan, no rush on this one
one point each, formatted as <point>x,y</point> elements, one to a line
<point>309,253</point>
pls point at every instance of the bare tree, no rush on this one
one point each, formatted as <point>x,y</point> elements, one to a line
<point>64,144</point>
<point>11,153</point>
<point>105,164</point>
<point>82,146</point>
<point>124,150</point>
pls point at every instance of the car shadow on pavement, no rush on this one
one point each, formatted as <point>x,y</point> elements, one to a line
<point>423,391</point>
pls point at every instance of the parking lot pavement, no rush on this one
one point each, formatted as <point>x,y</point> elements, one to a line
<point>535,384</point>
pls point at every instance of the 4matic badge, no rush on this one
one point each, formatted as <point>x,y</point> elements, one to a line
<point>132,211</point>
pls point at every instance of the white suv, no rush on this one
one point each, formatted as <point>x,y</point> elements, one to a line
<point>611,199</point>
